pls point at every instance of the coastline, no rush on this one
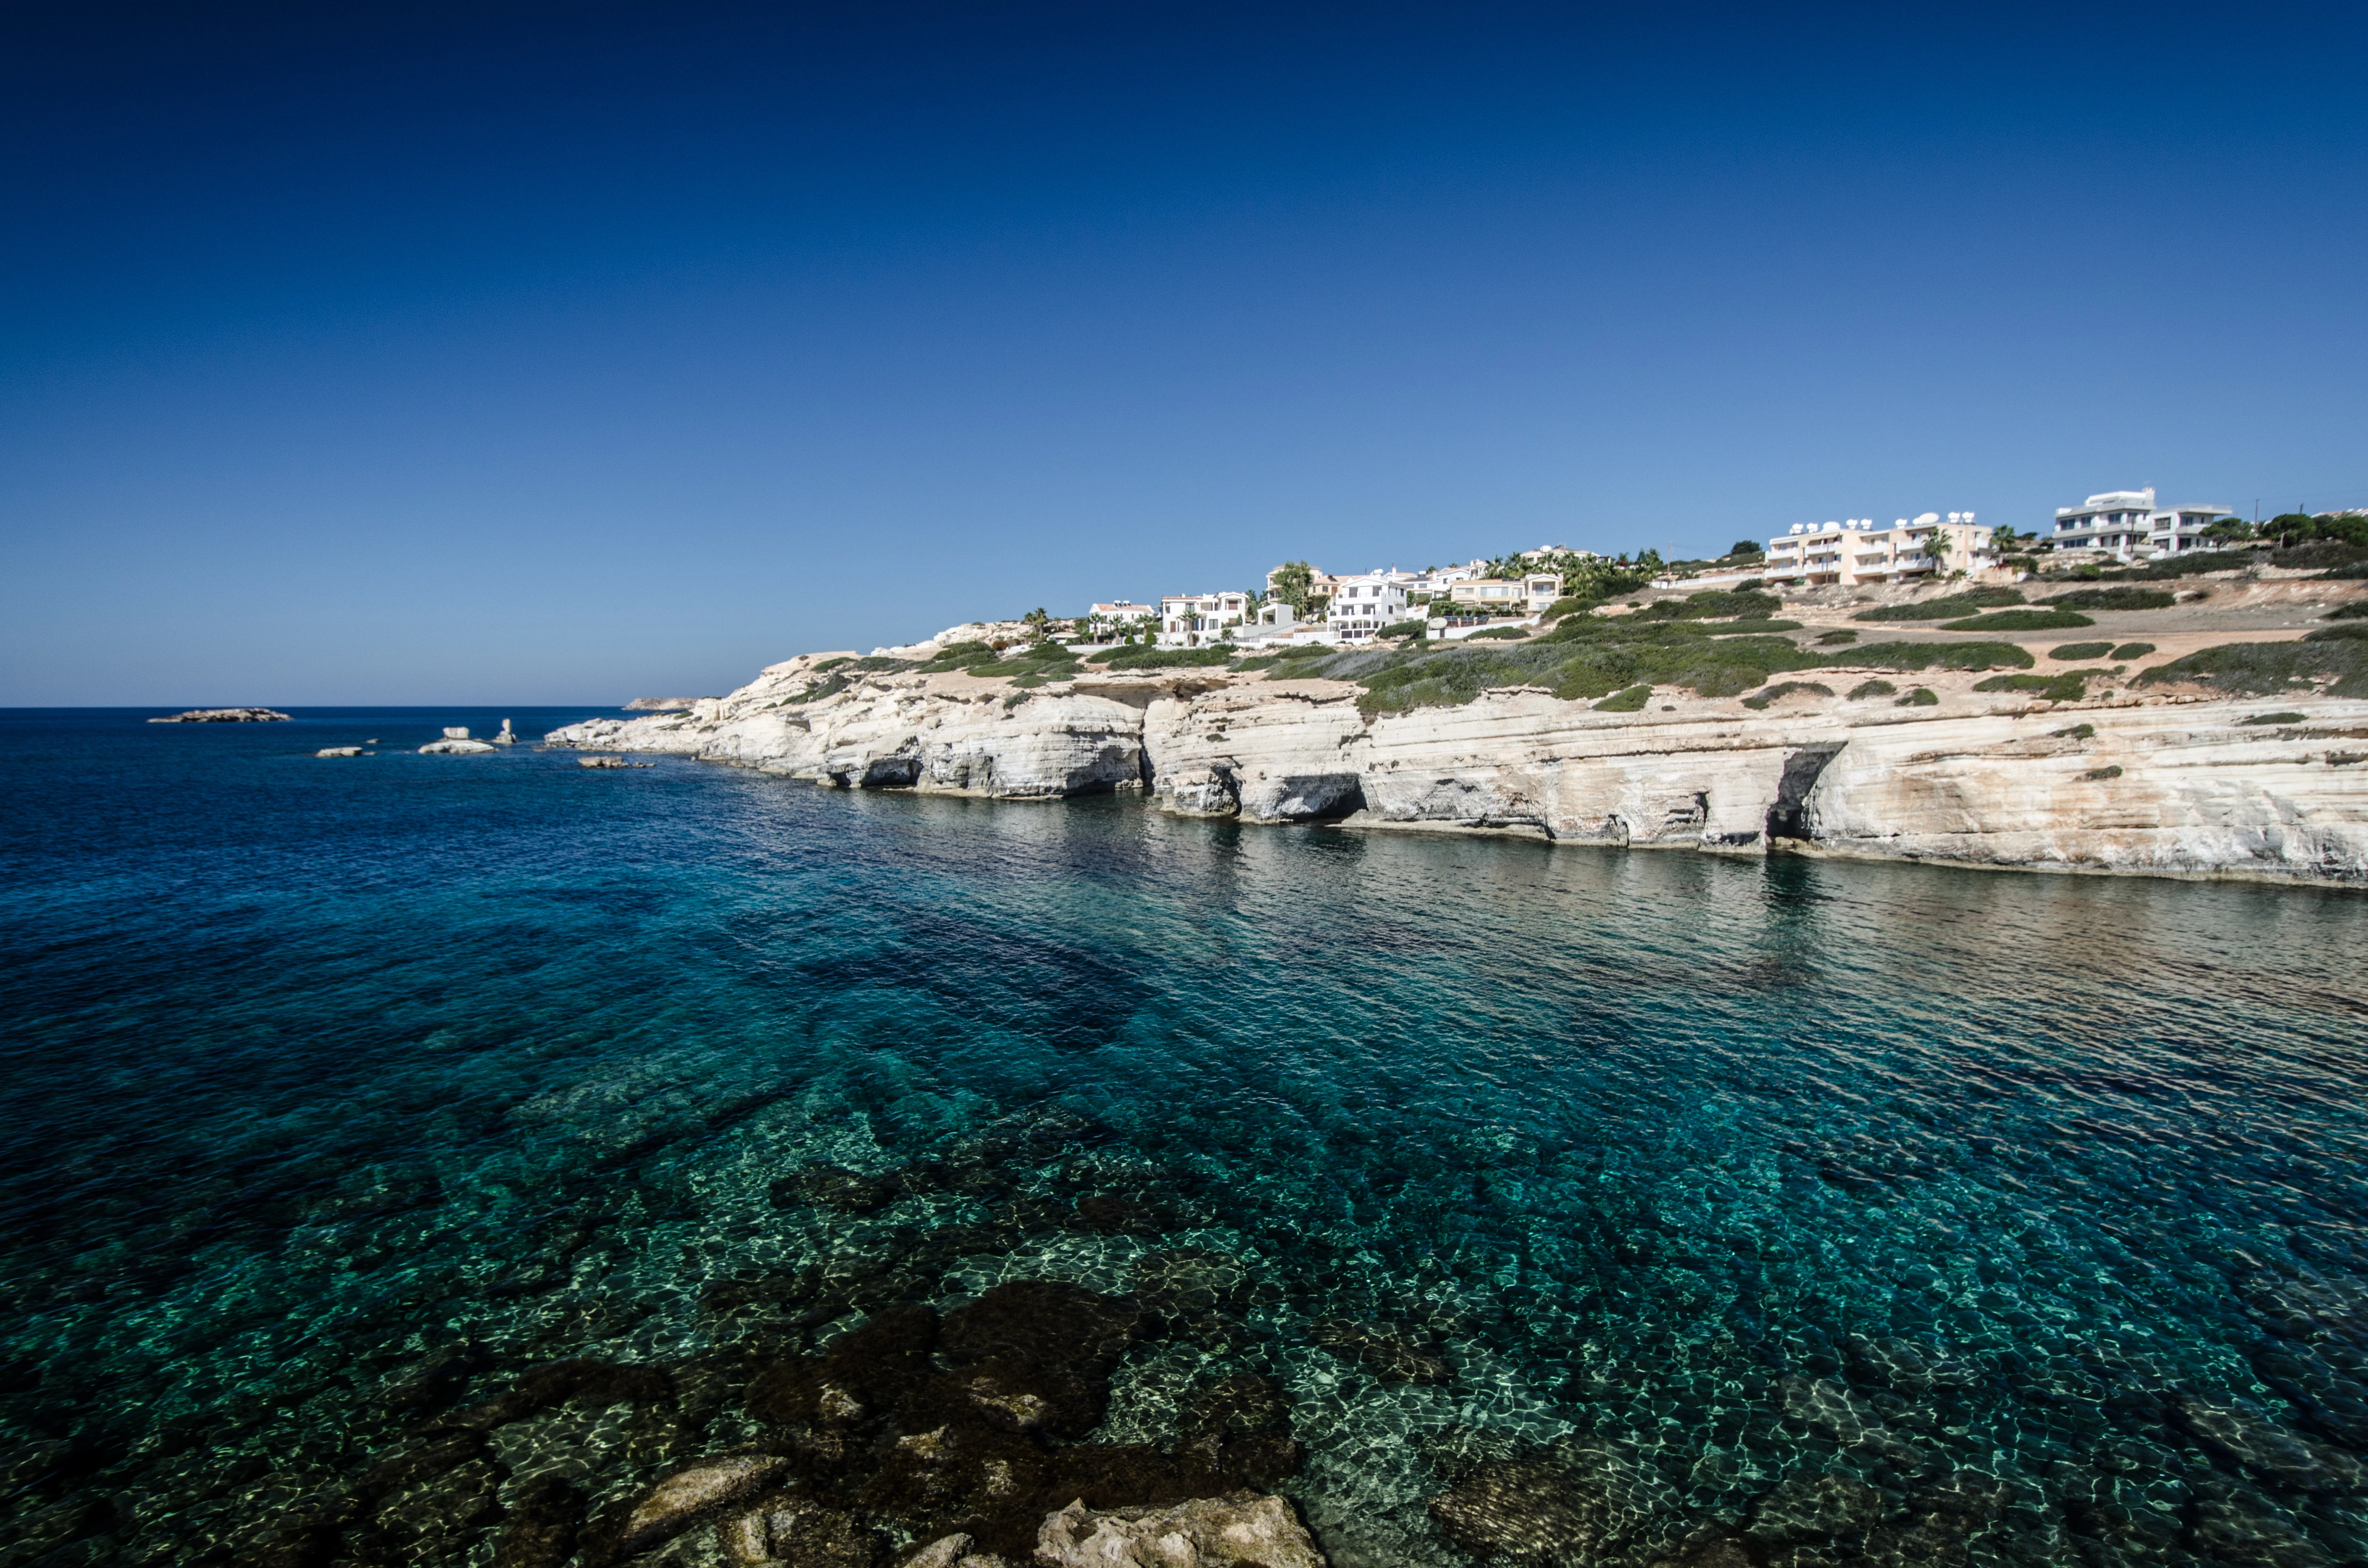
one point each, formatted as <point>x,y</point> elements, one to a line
<point>2174,785</point>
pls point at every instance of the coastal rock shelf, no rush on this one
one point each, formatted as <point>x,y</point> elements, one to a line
<point>2164,786</point>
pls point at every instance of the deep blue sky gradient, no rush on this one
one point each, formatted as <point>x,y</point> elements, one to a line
<point>403,354</point>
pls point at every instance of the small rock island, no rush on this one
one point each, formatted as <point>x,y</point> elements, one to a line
<point>224,716</point>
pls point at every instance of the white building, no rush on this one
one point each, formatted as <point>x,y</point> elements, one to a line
<point>1193,621</point>
<point>1854,551</point>
<point>2128,522</point>
<point>1362,605</point>
<point>1119,612</point>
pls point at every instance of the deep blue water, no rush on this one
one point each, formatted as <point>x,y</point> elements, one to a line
<point>1835,1212</point>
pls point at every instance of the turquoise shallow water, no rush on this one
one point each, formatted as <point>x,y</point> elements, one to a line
<point>1577,1206</point>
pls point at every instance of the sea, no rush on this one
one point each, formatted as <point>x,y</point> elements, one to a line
<point>1564,1206</point>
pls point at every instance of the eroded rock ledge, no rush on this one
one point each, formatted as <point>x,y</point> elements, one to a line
<point>2176,785</point>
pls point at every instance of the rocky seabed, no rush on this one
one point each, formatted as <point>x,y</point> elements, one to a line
<point>2177,786</point>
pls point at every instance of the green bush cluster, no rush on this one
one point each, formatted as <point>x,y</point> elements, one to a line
<point>2071,686</point>
<point>1948,609</point>
<point>1938,656</point>
<point>2118,597</point>
<point>1922,697</point>
<point>2080,650</point>
<point>1867,688</point>
<point>1835,639</point>
<point>1629,701</point>
<point>1500,634</point>
<point>2129,651</point>
<point>1782,689</point>
<point>2357,610</point>
<point>1749,627</point>
<point>2111,770</point>
<point>1713,604</point>
<point>2274,719</point>
<point>2077,733</point>
<point>2019,620</point>
<point>2257,669</point>
<point>1164,658</point>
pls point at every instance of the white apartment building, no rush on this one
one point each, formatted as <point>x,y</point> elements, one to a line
<point>1362,605</point>
<point>1191,621</point>
<point>1854,551</point>
<point>1505,596</point>
<point>1120,611</point>
<point>2128,522</point>
<point>1321,585</point>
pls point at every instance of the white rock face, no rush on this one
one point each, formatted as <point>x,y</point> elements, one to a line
<point>1980,779</point>
<point>455,749</point>
<point>1240,1529</point>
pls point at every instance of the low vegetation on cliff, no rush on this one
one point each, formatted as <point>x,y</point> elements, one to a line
<point>1672,643</point>
<point>2334,659</point>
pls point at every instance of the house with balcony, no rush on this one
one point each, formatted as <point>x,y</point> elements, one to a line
<point>2127,523</point>
<point>1505,596</point>
<point>1194,620</point>
<point>1854,551</point>
<point>1361,606</point>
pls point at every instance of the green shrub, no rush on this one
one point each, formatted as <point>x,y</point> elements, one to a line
<point>1713,604</point>
<point>2129,651</point>
<point>954,655</point>
<point>830,664</point>
<point>1629,701</point>
<point>1166,658</point>
<point>1749,627</point>
<point>1938,656</point>
<point>2350,573</point>
<point>2019,620</point>
<point>2077,733</point>
<point>2113,598</point>
<point>2257,669</point>
<point>2111,770</point>
<point>1954,605</point>
<point>1835,639</point>
<point>1782,689</point>
<point>880,661</point>
<point>1867,688</point>
<point>2080,650</point>
<point>1498,635</point>
<point>1404,629</point>
<point>2337,633</point>
<point>2356,611</point>
<point>2274,719</point>
<point>2069,687</point>
<point>1922,697</point>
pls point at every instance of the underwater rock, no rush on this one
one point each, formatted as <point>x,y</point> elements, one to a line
<point>952,1552</point>
<point>672,1505</point>
<point>1816,1507</point>
<point>1516,1509</point>
<point>2241,1430</point>
<point>1239,1529</point>
<point>431,1383</point>
<point>1189,1280</point>
<point>829,1186</point>
<point>601,1382</point>
<point>435,1519</point>
<point>540,1531</point>
<point>1109,1214</point>
<point>960,1425</point>
<point>797,1533</point>
<point>1710,1549</point>
<point>1387,1355</point>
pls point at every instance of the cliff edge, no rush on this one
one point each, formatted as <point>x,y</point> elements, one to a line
<point>2171,780</point>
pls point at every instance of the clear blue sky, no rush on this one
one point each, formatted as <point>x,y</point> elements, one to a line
<point>408,353</point>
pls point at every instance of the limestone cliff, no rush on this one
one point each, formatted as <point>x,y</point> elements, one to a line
<point>2177,785</point>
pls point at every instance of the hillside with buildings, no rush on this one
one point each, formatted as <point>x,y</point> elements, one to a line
<point>2201,713</point>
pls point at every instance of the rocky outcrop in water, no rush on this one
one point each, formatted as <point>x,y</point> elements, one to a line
<point>2171,785</point>
<point>1239,1530</point>
<point>224,716</point>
